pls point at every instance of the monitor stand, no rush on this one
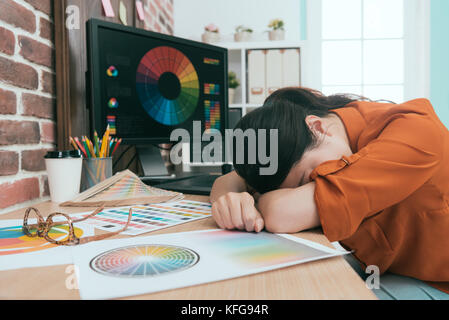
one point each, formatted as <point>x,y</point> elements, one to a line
<point>152,163</point>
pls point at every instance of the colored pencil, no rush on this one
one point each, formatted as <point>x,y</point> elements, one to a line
<point>86,147</point>
<point>104,143</point>
<point>91,147</point>
<point>110,145</point>
<point>80,145</point>
<point>96,148</point>
<point>108,153</point>
<point>114,142</point>
<point>116,146</point>
<point>97,144</point>
<point>74,143</point>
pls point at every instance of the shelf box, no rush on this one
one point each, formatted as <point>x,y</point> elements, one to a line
<point>270,70</point>
<point>262,68</point>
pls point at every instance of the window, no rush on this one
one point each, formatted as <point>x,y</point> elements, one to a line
<point>362,48</point>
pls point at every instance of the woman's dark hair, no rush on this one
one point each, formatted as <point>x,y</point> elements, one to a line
<point>286,110</point>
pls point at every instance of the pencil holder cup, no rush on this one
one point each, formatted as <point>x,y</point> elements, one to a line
<point>95,170</point>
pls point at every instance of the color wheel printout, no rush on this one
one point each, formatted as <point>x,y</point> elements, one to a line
<point>128,267</point>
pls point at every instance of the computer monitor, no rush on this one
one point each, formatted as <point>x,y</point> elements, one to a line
<point>145,84</point>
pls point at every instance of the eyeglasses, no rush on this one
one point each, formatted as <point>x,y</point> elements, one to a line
<point>45,228</point>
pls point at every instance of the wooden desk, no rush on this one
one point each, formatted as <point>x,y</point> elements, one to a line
<point>325,279</point>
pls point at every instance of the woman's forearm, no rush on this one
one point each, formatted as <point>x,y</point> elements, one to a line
<point>225,184</point>
<point>290,210</point>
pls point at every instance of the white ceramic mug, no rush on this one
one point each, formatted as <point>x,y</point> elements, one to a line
<point>64,174</point>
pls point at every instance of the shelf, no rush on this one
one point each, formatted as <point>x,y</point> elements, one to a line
<point>261,44</point>
<point>244,105</point>
<point>238,63</point>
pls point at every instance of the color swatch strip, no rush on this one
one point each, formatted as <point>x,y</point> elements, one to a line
<point>214,62</point>
<point>112,125</point>
<point>212,115</point>
<point>211,88</point>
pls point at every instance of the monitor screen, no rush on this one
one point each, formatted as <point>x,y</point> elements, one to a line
<point>234,116</point>
<point>145,84</point>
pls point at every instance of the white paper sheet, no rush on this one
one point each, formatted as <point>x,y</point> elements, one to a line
<point>127,267</point>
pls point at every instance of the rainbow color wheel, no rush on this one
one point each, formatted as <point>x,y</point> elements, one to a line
<point>144,260</point>
<point>167,85</point>
<point>14,241</point>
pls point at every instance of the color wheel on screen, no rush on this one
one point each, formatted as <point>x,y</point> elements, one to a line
<point>144,260</point>
<point>167,85</point>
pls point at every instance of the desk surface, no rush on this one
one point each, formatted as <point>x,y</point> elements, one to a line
<point>325,279</point>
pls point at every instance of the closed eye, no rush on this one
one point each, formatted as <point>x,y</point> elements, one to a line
<point>301,182</point>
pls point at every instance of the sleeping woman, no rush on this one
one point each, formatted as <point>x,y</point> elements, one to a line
<point>374,176</point>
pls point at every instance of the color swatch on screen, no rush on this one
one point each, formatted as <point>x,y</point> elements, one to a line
<point>211,61</point>
<point>113,103</point>
<point>212,115</point>
<point>211,88</point>
<point>167,85</point>
<point>112,126</point>
<point>14,241</point>
<point>144,260</point>
<point>112,72</point>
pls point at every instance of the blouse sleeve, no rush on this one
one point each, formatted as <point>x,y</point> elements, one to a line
<point>386,171</point>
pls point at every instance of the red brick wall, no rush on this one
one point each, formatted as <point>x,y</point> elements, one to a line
<point>159,16</point>
<point>27,94</point>
<point>27,100</point>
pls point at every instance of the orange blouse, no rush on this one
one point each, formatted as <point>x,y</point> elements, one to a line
<point>389,201</point>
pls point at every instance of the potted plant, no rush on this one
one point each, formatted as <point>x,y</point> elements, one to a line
<point>211,33</point>
<point>242,33</point>
<point>233,84</point>
<point>277,31</point>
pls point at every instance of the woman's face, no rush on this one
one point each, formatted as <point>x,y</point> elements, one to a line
<point>333,144</point>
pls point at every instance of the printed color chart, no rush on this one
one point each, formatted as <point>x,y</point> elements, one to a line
<point>18,250</point>
<point>151,217</point>
<point>14,241</point>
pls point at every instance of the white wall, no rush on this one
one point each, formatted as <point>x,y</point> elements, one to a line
<point>191,16</point>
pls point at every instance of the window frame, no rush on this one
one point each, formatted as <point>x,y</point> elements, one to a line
<point>416,43</point>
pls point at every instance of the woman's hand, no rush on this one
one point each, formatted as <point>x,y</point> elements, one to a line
<point>237,210</point>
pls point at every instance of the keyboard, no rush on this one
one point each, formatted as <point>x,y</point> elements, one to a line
<point>200,185</point>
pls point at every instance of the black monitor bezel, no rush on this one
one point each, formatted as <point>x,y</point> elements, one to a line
<point>93,95</point>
